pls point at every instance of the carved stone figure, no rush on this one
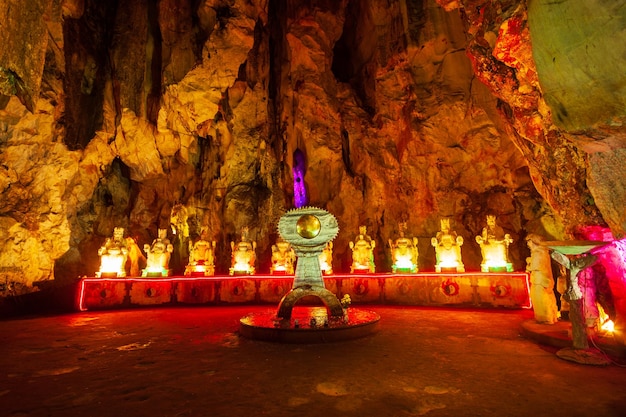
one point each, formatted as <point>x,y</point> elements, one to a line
<point>447,246</point>
<point>541,281</point>
<point>363,252</point>
<point>326,259</point>
<point>494,246</point>
<point>404,252</point>
<point>158,255</point>
<point>201,256</point>
<point>283,258</point>
<point>113,255</point>
<point>243,255</point>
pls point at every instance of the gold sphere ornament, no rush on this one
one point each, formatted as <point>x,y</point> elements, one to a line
<point>308,226</point>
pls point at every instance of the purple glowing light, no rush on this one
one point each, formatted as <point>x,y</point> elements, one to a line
<point>300,197</point>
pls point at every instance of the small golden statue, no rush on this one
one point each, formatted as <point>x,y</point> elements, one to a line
<point>404,253</point>
<point>201,256</point>
<point>158,256</point>
<point>363,252</point>
<point>283,258</point>
<point>494,246</point>
<point>243,255</point>
<point>447,249</point>
<point>326,259</point>
<point>113,255</point>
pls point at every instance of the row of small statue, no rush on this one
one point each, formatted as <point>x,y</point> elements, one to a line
<point>494,244</point>
<point>116,250</point>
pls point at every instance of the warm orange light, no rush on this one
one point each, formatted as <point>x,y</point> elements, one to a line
<point>608,326</point>
<point>404,262</point>
<point>111,265</point>
<point>242,267</point>
<point>448,260</point>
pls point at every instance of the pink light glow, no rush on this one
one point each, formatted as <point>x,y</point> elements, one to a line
<point>620,245</point>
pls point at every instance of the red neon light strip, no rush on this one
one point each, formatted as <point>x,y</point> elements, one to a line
<point>83,281</point>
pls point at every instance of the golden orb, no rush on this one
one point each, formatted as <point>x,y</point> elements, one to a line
<point>308,226</point>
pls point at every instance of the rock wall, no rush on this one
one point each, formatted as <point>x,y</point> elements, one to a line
<point>187,114</point>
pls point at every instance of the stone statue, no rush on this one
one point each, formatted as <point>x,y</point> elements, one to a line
<point>283,258</point>
<point>404,252</point>
<point>326,259</point>
<point>539,266</point>
<point>158,255</point>
<point>448,249</point>
<point>134,256</point>
<point>113,255</point>
<point>363,252</point>
<point>243,255</point>
<point>494,246</point>
<point>201,256</point>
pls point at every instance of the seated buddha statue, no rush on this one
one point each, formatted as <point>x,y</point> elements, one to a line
<point>283,258</point>
<point>403,253</point>
<point>494,246</point>
<point>363,252</point>
<point>243,255</point>
<point>158,255</point>
<point>201,256</point>
<point>447,249</point>
<point>113,255</point>
<point>326,259</point>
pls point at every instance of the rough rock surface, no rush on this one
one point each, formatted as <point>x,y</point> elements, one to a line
<point>187,114</point>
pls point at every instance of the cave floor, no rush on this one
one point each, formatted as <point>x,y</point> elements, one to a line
<point>192,362</point>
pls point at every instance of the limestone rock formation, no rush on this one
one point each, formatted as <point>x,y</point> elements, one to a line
<point>124,112</point>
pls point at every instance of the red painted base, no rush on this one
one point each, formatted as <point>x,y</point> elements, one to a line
<point>483,290</point>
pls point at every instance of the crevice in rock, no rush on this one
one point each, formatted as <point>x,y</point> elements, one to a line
<point>86,69</point>
<point>353,55</point>
<point>345,152</point>
<point>276,24</point>
<point>154,64</point>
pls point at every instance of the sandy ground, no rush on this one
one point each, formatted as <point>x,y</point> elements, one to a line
<point>192,362</point>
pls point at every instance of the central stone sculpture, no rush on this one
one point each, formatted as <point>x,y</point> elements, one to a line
<point>308,229</point>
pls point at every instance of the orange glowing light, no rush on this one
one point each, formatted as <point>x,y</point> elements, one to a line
<point>111,265</point>
<point>608,326</point>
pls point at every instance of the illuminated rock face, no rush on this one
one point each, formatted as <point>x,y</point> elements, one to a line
<point>120,113</point>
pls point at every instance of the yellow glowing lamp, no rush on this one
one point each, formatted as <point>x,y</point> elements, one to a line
<point>111,266</point>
